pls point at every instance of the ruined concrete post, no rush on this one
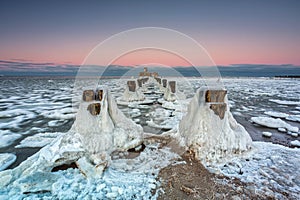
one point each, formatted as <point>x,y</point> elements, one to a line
<point>94,108</point>
<point>158,80</point>
<point>216,100</point>
<point>131,86</point>
<point>215,96</point>
<point>140,82</point>
<point>172,85</point>
<point>88,95</point>
<point>145,80</point>
<point>164,83</point>
<point>219,109</point>
<point>99,95</point>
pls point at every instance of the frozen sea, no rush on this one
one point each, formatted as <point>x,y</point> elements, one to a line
<point>34,111</point>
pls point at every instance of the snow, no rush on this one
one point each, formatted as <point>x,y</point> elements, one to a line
<point>295,143</point>
<point>267,134</point>
<point>274,123</point>
<point>7,138</point>
<point>211,138</point>
<point>6,159</point>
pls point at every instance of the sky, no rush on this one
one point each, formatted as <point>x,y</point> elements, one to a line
<point>232,32</point>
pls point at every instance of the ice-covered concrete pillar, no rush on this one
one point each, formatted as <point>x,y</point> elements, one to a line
<point>132,93</point>
<point>131,86</point>
<point>209,128</point>
<point>164,81</point>
<point>172,85</point>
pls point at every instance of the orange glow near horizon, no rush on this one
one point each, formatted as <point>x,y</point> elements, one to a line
<point>222,52</point>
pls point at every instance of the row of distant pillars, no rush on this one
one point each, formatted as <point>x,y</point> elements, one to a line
<point>172,84</point>
<point>132,84</point>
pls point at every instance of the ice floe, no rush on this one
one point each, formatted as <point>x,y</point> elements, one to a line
<point>267,134</point>
<point>274,123</point>
<point>38,140</point>
<point>7,138</point>
<point>276,114</point>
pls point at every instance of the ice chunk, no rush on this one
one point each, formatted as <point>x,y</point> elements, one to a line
<point>282,130</point>
<point>6,159</point>
<point>267,134</point>
<point>295,143</point>
<point>274,123</point>
<point>89,169</point>
<point>294,134</point>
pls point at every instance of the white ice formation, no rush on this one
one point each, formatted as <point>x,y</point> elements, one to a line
<point>109,131</point>
<point>209,128</point>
